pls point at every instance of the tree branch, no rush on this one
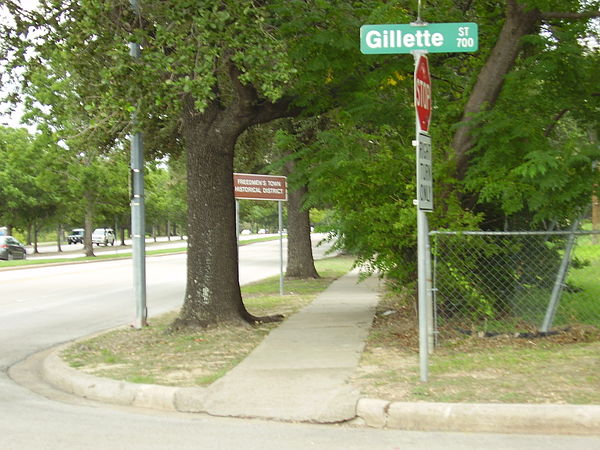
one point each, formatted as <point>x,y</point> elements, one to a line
<point>569,15</point>
<point>519,23</point>
<point>467,6</point>
<point>268,111</point>
<point>555,120</point>
<point>251,106</point>
<point>246,94</point>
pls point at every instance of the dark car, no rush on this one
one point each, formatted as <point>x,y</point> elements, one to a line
<point>76,236</point>
<point>10,248</point>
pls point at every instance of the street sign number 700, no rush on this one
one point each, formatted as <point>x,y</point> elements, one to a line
<point>430,37</point>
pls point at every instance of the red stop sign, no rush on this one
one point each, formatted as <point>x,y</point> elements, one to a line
<point>423,93</point>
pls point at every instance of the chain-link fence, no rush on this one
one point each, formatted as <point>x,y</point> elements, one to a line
<point>514,282</point>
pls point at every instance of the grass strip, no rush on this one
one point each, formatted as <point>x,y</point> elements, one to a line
<point>196,357</point>
<point>110,256</point>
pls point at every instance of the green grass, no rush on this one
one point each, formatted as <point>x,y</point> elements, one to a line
<point>141,379</point>
<point>583,305</point>
<point>207,380</point>
<point>263,296</point>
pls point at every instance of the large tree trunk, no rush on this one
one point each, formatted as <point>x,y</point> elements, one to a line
<point>596,215</point>
<point>212,290</point>
<point>88,225</point>
<point>519,23</point>
<point>35,238</point>
<point>122,234</point>
<point>300,261</point>
<point>59,237</point>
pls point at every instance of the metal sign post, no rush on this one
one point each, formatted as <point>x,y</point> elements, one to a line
<point>423,108</point>
<point>280,215</point>
<point>263,187</point>
<point>237,221</point>
<point>419,38</point>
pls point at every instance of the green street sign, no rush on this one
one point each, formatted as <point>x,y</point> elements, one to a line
<point>431,37</point>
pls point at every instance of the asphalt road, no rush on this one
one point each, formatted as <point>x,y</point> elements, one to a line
<point>43,307</point>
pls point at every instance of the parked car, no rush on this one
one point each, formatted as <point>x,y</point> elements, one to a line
<point>103,236</point>
<point>10,248</point>
<point>76,236</point>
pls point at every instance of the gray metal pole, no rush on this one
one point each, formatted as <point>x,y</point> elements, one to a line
<point>429,291</point>
<point>280,213</point>
<point>422,292</point>
<point>138,226</point>
<point>560,281</point>
<point>237,221</point>
<point>422,265</point>
<point>138,231</point>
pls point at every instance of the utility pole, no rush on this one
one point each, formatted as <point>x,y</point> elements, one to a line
<point>138,225</point>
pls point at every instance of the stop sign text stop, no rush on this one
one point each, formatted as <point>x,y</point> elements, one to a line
<point>423,93</point>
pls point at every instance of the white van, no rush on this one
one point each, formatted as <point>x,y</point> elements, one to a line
<point>103,236</point>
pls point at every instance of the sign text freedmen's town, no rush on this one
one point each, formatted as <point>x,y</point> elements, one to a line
<point>259,187</point>
<point>430,37</point>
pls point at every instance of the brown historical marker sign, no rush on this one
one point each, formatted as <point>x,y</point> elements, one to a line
<point>259,187</point>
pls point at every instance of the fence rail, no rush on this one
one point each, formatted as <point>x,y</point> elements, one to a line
<point>514,282</point>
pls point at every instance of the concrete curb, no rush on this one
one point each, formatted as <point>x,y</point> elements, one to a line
<point>491,418</point>
<point>165,398</point>
<point>376,413</point>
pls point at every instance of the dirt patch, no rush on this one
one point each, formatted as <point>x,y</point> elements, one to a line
<point>151,355</point>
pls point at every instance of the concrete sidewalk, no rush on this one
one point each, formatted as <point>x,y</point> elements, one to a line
<point>300,372</point>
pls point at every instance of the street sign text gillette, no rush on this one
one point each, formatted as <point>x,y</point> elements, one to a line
<point>405,38</point>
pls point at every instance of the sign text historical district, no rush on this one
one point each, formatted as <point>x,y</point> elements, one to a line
<point>259,187</point>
